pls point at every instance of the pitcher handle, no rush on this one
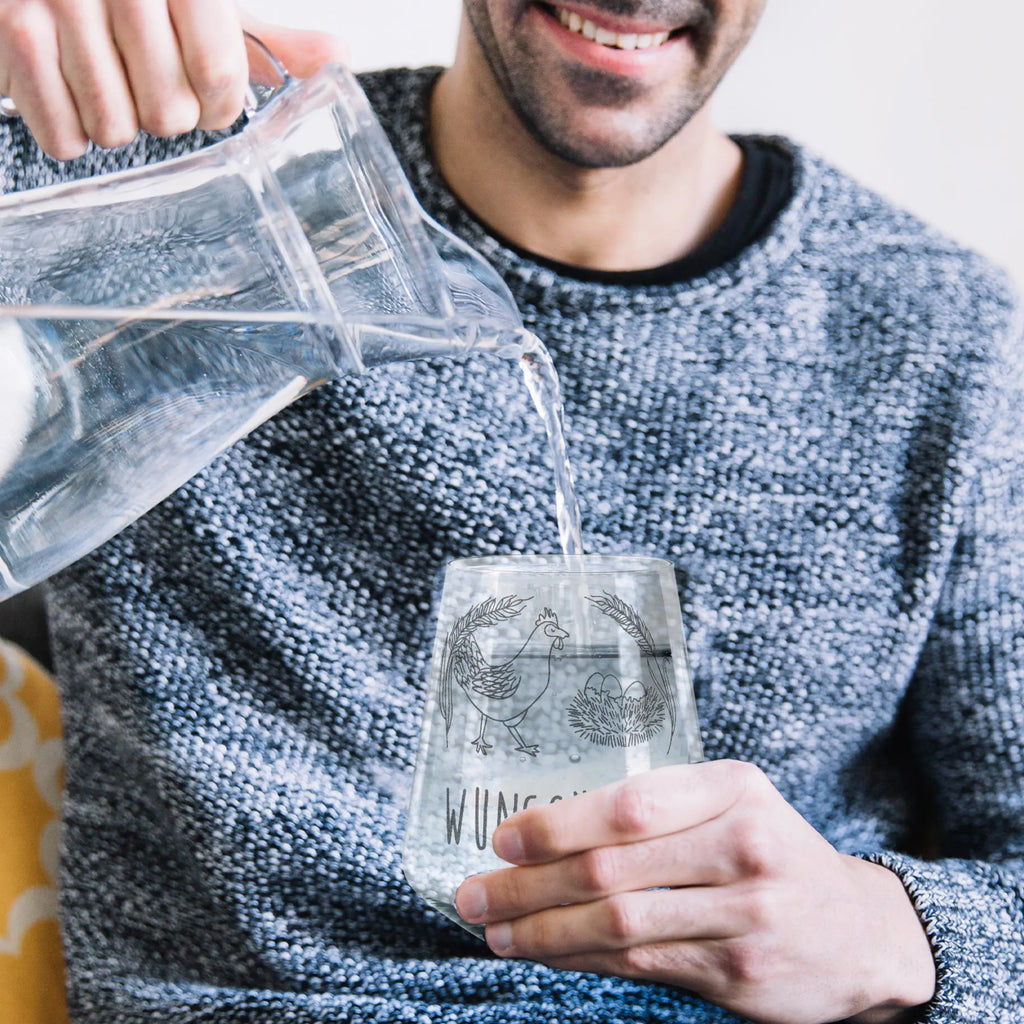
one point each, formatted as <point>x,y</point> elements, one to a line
<point>265,66</point>
<point>256,94</point>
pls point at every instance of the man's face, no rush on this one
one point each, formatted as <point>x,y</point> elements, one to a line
<point>605,83</point>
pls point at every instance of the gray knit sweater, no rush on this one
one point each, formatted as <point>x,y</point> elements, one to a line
<point>825,435</point>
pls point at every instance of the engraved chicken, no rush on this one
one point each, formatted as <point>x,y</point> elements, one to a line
<point>505,693</point>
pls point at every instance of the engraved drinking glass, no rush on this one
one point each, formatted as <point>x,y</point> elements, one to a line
<point>551,675</point>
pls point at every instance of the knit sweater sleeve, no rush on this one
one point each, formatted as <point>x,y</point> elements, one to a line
<point>966,712</point>
<point>23,165</point>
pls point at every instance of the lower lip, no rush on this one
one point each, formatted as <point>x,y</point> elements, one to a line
<point>606,58</point>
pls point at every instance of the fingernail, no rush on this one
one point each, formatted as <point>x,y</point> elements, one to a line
<point>499,937</point>
<point>471,901</point>
<point>508,844</point>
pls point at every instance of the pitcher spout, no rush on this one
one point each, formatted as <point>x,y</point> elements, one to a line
<point>404,341</point>
<point>476,289</point>
<point>476,313</point>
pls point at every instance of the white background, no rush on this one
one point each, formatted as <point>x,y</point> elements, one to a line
<point>921,99</point>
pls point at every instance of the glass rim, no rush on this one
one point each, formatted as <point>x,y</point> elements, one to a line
<point>555,563</point>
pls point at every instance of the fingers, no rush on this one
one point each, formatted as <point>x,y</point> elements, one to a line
<point>81,70</point>
<point>30,73</point>
<point>642,807</point>
<point>676,860</point>
<point>156,85</point>
<point>622,922</point>
<point>99,70</point>
<point>711,824</point>
<point>213,57</point>
<point>184,63</point>
<point>95,75</point>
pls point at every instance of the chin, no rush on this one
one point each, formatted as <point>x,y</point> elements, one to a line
<point>605,149</point>
<point>592,135</point>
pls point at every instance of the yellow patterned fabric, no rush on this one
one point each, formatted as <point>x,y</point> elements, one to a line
<point>31,777</point>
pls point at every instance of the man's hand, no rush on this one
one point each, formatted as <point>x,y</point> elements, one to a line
<point>702,876</point>
<point>81,70</point>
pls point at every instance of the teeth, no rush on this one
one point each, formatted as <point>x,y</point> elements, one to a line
<point>625,41</point>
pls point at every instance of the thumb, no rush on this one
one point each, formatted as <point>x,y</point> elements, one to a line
<point>301,51</point>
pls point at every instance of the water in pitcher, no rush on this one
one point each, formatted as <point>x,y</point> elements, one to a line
<point>147,401</point>
<point>98,454</point>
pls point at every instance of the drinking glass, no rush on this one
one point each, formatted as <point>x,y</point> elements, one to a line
<point>551,675</point>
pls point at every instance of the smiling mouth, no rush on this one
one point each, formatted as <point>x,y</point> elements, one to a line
<point>605,37</point>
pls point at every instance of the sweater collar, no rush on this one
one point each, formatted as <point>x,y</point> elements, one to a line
<point>407,122</point>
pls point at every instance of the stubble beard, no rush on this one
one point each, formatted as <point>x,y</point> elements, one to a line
<point>630,137</point>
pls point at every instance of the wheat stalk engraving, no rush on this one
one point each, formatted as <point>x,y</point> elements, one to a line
<point>628,618</point>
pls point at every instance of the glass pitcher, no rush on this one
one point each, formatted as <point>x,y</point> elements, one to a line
<point>151,317</point>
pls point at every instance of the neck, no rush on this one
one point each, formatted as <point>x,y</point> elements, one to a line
<point>619,218</point>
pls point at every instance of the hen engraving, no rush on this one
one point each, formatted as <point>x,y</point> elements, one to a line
<point>503,692</point>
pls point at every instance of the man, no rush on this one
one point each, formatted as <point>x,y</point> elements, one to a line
<point>807,400</point>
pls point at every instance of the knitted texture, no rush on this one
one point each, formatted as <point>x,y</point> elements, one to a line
<point>826,436</point>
